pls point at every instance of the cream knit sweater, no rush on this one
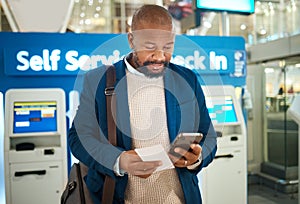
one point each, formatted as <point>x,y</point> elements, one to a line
<point>149,127</point>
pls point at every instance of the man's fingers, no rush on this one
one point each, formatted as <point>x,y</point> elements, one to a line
<point>196,149</point>
<point>180,151</point>
<point>133,164</point>
<point>146,170</point>
<point>188,157</point>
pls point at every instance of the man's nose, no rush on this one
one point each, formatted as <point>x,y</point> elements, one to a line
<point>159,55</point>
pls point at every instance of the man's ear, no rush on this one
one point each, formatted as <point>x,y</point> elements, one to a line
<point>130,40</point>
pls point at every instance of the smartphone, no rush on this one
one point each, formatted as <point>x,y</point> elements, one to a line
<point>184,140</point>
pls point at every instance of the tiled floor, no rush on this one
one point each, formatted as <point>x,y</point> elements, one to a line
<point>260,194</point>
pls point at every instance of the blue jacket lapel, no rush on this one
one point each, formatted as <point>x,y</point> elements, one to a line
<point>171,104</point>
<point>123,122</point>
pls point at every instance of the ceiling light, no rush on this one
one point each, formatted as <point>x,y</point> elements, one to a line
<point>243,27</point>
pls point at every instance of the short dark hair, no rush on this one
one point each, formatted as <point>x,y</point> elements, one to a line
<point>149,13</point>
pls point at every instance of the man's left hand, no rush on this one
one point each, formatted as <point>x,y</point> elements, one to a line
<point>188,157</point>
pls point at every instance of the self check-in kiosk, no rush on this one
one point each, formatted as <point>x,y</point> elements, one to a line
<point>294,112</point>
<point>35,152</point>
<point>225,179</point>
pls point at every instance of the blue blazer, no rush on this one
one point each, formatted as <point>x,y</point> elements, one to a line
<point>186,112</point>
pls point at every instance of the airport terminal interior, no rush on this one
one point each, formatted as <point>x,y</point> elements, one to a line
<point>267,123</point>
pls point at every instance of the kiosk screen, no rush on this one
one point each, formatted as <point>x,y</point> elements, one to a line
<point>221,109</point>
<point>37,116</point>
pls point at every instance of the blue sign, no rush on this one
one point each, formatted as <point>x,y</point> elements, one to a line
<point>69,54</point>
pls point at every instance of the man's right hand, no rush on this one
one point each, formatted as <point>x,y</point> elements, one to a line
<point>133,164</point>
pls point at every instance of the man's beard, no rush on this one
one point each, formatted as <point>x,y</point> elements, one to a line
<point>143,68</point>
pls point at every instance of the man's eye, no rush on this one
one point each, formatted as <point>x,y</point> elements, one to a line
<point>167,47</point>
<point>149,47</point>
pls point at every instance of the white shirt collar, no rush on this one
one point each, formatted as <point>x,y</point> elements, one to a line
<point>131,69</point>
